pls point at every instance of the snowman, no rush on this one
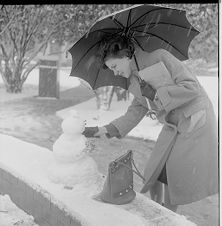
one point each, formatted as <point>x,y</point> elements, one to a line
<point>72,167</point>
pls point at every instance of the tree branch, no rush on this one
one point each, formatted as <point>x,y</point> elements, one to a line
<point>9,23</point>
<point>4,52</point>
<point>33,27</point>
<point>27,71</point>
<point>40,46</point>
<point>6,27</point>
<point>13,40</point>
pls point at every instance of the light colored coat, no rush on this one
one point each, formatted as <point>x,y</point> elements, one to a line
<point>188,142</point>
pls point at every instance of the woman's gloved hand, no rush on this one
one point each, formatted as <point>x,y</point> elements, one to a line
<point>90,131</point>
<point>102,132</point>
<point>95,131</point>
<point>147,90</point>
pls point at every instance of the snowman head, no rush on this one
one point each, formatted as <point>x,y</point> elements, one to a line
<point>73,124</point>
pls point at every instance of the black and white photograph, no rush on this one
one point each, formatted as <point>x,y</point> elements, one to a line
<point>109,114</point>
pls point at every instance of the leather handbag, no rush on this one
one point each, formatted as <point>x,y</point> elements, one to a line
<point>118,186</point>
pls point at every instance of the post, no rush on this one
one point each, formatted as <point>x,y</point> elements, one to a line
<point>48,79</point>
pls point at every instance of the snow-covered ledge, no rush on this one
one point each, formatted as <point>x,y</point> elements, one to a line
<point>23,176</point>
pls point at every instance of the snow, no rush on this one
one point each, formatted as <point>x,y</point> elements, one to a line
<point>72,166</point>
<point>30,166</point>
<point>11,215</point>
<point>33,157</point>
<point>63,148</point>
<point>38,159</point>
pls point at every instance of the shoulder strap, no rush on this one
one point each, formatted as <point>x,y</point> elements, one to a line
<point>138,172</point>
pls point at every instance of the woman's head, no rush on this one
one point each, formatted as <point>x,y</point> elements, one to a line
<point>115,53</point>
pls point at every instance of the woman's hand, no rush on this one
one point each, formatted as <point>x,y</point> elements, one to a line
<point>102,132</point>
<point>95,132</point>
<point>90,131</point>
<point>147,90</point>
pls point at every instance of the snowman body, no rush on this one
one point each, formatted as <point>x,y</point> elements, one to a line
<point>72,167</point>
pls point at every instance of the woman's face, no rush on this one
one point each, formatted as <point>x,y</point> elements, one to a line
<point>120,66</point>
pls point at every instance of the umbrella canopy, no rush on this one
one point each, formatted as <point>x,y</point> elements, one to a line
<point>149,27</point>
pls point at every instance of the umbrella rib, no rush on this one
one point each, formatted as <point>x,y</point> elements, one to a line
<point>150,12</point>
<point>176,25</point>
<point>111,33</point>
<point>93,32</point>
<point>86,53</point>
<point>129,18</point>
<point>96,79</point>
<point>137,20</point>
<point>116,22</point>
<point>138,44</point>
<point>162,40</point>
<point>102,30</point>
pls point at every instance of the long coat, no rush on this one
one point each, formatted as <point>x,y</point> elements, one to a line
<point>188,142</point>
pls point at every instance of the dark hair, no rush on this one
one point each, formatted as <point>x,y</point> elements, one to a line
<point>114,46</point>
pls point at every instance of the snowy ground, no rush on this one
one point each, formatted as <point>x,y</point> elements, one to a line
<point>32,165</point>
<point>66,82</point>
<point>10,215</point>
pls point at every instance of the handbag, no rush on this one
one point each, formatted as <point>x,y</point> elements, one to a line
<point>118,186</point>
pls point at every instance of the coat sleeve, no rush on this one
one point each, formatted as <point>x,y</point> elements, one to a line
<point>185,87</point>
<point>134,114</point>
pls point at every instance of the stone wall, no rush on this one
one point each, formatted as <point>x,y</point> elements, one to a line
<point>34,203</point>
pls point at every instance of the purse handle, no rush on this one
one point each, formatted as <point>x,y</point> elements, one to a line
<point>137,172</point>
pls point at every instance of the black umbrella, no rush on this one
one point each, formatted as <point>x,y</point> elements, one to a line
<point>149,27</point>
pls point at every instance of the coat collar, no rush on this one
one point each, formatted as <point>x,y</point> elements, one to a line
<point>133,81</point>
<point>134,88</point>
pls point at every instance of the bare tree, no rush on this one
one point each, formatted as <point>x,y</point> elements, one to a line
<point>25,31</point>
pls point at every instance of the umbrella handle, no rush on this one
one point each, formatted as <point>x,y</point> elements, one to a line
<point>141,81</point>
<point>137,65</point>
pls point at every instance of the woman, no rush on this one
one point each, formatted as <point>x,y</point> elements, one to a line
<point>183,166</point>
